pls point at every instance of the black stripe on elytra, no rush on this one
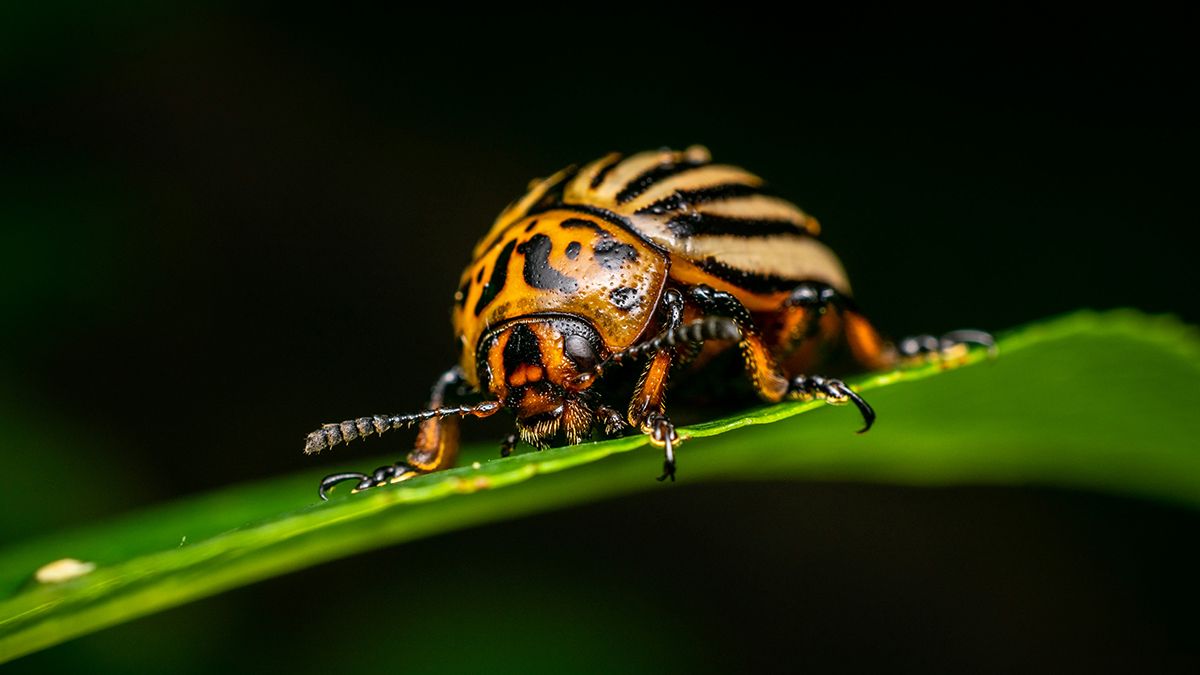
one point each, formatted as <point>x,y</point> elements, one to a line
<point>499,278</point>
<point>554,193</point>
<point>755,283</point>
<point>538,272</point>
<point>521,349</point>
<point>696,223</point>
<point>603,172</point>
<point>692,197</point>
<point>653,175</point>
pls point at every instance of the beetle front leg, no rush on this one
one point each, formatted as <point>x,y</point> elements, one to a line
<point>647,408</point>
<point>437,442</point>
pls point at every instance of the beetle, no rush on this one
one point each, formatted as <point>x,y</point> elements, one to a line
<point>661,256</point>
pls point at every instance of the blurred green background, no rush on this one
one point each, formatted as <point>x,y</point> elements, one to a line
<point>220,226</point>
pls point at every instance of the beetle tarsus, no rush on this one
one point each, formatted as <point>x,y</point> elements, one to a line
<point>328,482</point>
<point>392,473</point>
<point>662,433</point>
<point>808,387</point>
<point>814,295</point>
<point>612,421</point>
<point>916,346</point>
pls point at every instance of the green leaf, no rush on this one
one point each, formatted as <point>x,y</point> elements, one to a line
<point>1102,402</point>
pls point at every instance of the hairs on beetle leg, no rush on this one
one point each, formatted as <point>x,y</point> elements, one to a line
<point>330,435</point>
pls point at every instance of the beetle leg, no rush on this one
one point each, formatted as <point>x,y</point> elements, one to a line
<point>814,317</point>
<point>949,346</point>
<point>381,476</point>
<point>662,433</point>
<point>647,407</point>
<point>613,421</point>
<point>648,396</point>
<point>764,372</point>
<point>437,439</point>
<point>801,317</point>
<point>331,480</point>
<point>436,446</point>
<point>809,387</point>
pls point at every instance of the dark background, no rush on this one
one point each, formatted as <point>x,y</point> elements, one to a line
<point>220,227</point>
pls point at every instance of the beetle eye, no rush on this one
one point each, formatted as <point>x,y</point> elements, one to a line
<point>580,351</point>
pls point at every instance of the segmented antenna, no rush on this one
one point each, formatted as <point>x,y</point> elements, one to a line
<point>330,435</point>
<point>708,328</point>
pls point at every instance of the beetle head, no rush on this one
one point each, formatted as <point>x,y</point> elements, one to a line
<point>533,365</point>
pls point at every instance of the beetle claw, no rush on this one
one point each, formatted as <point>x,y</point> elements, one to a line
<point>331,480</point>
<point>393,473</point>
<point>662,433</point>
<point>835,392</point>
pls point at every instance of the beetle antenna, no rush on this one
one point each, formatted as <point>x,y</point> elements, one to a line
<point>694,332</point>
<point>330,435</point>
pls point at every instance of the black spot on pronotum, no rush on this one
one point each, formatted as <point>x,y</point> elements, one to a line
<point>623,298</point>
<point>612,255</point>
<point>573,250</point>
<point>499,277</point>
<point>538,272</point>
<point>531,225</point>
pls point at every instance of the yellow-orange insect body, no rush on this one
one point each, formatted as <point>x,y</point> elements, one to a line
<point>663,256</point>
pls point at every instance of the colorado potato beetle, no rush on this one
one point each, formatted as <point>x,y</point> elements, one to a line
<point>661,256</point>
